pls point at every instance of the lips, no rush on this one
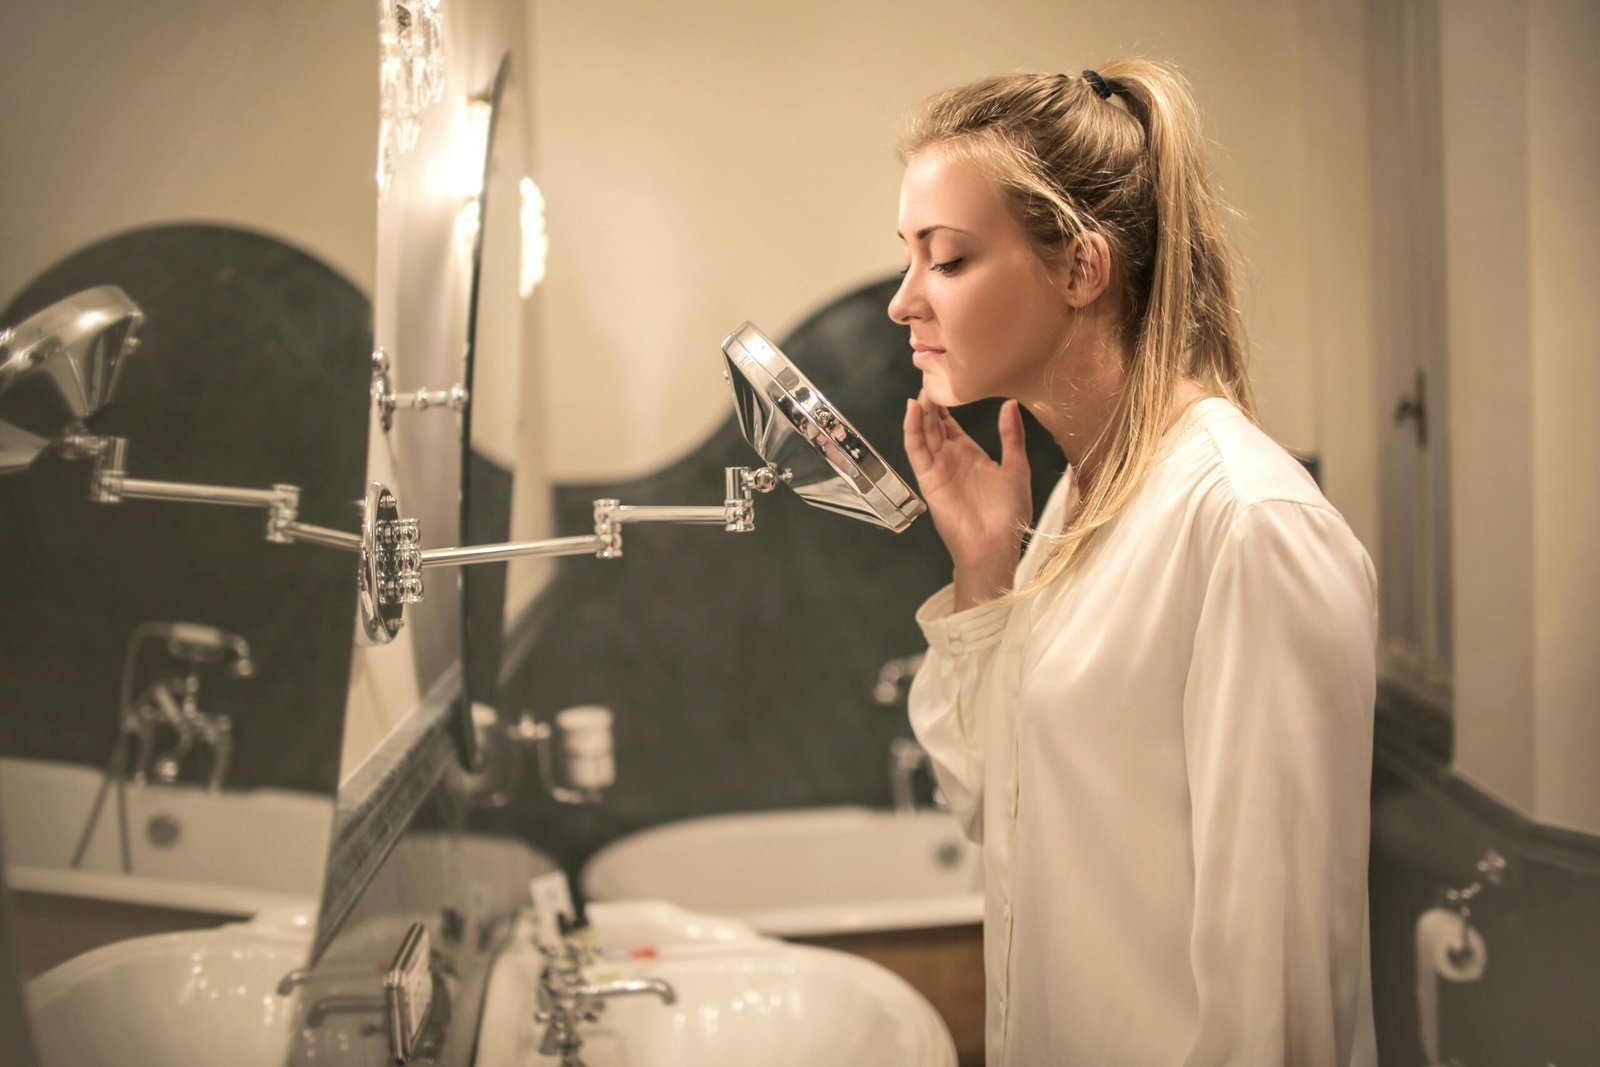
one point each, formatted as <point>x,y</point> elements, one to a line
<point>924,354</point>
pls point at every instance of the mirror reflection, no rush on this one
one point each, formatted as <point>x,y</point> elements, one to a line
<point>171,684</point>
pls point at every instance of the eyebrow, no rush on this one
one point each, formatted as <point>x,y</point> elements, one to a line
<point>926,230</point>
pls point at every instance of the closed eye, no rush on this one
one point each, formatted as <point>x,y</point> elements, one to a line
<point>948,267</point>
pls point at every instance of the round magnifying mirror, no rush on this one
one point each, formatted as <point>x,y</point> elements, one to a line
<point>815,449</point>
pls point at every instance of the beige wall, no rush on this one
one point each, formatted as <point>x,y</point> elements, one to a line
<point>708,162</point>
<point>1522,159</point>
<point>203,125</point>
<point>1564,276</point>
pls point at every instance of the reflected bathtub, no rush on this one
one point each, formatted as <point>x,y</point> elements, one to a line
<point>810,872</point>
<point>226,854</point>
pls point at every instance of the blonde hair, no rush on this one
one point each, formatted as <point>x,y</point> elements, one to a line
<point>1070,161</point>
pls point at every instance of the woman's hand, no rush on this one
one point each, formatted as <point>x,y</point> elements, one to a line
<point>979,507</point>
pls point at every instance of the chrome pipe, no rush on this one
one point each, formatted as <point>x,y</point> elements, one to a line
<point>321,535</point>
<point>145,489</point>
<point>633,513</point>
<point>629,987</point>
<point>555,546</point>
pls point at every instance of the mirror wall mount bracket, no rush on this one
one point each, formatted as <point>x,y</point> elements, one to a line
<point>390,575</point>
<point>387,401</point>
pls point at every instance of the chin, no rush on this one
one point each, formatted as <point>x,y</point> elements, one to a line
<point>938,388</point>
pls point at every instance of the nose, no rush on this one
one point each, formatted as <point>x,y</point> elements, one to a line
<point>906,303</point>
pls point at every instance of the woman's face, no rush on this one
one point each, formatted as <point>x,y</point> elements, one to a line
<point>986,315</point>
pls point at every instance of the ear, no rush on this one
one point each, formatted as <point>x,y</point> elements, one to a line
<point>1088,274</point>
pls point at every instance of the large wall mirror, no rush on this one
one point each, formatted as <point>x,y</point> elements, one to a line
<point>172,686</point>
<point>491,423</point>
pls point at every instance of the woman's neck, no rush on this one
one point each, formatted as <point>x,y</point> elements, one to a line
<point>1076,397</point>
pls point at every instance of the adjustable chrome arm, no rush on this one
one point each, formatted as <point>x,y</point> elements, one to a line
<point>110,484</point>
<point>392,559</point>
<point>736,514</point>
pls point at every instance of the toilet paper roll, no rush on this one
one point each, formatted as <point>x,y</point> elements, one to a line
<point>1441,935</point>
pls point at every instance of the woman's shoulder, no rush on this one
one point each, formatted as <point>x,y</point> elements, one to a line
<point>1234,464</point>
<point>1224,468</point>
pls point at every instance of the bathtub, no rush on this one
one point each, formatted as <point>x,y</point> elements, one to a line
<point>804,873</point>
<point>229,853</point>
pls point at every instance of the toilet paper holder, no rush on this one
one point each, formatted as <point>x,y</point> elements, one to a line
<point>1493,871</point>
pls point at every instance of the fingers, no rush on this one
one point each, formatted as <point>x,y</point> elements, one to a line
<point>932,427</point>
<point>916,442</point>
<point>1013,442</point>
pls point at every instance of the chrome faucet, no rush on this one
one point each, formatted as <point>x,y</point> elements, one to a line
<point>905,756</point>
<point>569,999</point>
<point>894,679</point>
<point>172,704</point>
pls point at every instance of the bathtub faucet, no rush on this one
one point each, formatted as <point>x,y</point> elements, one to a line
<point>894,678</point>
<point>174,705</point>
<point>569,999</point>
<point>905,756</point>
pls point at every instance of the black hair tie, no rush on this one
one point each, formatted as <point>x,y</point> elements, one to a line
<point>1098,84</point>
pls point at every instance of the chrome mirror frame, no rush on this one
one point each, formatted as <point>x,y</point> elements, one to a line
<point>795,429</point>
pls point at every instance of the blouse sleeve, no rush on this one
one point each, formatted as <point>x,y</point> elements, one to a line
<point>1277,716</point>
<point>944,699</point>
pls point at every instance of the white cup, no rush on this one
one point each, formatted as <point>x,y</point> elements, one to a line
<point>586,746</point>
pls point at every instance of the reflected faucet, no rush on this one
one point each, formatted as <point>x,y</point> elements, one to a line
<point>905,756</point>
<point>173,705</point>
<point>894,679</point>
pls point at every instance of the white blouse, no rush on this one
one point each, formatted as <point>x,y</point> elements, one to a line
<point>1166,756</point>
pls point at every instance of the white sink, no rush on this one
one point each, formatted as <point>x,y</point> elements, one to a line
<point>740,1001</point>
<point>173,999</point>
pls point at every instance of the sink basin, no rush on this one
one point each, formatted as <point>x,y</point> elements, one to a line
<point>174,998</point>
<point>742,1001</point>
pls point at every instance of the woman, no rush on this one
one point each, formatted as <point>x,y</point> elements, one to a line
<point>1158,718</point>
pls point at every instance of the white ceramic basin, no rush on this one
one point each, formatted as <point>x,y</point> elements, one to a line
<point>198,997</point>
<point>808,871</point>
<point>228,853</point>
<point>740,1002</point>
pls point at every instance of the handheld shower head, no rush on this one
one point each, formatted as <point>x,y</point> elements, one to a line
<point>193,642</point>
<point>72,351</point>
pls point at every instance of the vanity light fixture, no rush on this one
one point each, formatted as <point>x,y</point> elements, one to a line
<point>411,77</point>
<point>535,238</point>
